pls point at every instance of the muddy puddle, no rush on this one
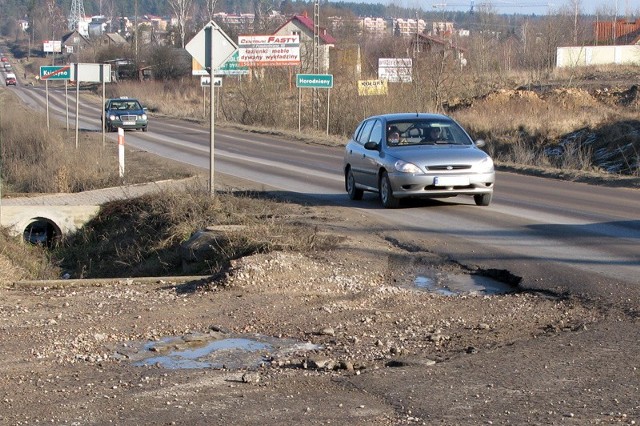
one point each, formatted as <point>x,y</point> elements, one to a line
<point>455,284</point>
<point>212,350</point>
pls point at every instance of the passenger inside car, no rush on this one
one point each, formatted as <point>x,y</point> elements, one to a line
<point>433,135</point>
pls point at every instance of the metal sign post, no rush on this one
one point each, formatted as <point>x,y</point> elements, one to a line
<point>211,47</point>
<point>53,73</point>
<point>95,73</point>
<point>314,81</point>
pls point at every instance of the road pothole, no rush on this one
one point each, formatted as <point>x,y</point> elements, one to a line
<point>452,284</point>
<point>213,350</point>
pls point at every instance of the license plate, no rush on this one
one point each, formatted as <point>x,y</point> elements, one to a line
<point>128,123</point>
<point>450,181</point>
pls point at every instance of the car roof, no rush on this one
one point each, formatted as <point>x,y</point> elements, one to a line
<point>410,116</point>
<point>11,75</point>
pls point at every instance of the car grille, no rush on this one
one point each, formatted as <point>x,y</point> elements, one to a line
<point>128,117</point>
<point>449,167</point>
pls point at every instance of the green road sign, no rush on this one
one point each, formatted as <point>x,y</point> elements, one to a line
<point>319,81</point>
<point>231,66</point>
<point>55,72</point>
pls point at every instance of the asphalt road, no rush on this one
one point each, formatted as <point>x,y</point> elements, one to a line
<point>551,235</point>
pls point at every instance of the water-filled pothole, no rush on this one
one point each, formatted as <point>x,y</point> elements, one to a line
<point>213,350</point>
<point>450,284</point>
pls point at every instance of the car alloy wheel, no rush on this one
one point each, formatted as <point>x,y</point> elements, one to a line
<point>386,194</point>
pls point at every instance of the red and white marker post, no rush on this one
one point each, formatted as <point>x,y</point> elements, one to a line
<point>121,150</point>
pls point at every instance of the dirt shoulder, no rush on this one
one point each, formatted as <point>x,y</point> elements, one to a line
<point>347,338</point>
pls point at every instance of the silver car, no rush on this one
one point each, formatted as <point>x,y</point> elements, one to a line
<point>416,155</point>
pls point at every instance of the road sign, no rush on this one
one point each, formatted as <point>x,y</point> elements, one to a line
<point>94,73</point>
<point>55,72</point>
<point>211,39</point>
<point>319,81</point>
<point>232,67</point>
<point>205,81</point>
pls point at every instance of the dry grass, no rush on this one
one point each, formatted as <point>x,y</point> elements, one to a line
<point>143,236</point>
<point>37,160</point>
<point>23,261</point>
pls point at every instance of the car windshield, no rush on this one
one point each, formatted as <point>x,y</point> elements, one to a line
<point>125,105</point>
<point>425,132</point>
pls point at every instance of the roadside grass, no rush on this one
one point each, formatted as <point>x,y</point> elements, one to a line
<point>144,236</point>
<point>37,160</point>
<point>20,261</point>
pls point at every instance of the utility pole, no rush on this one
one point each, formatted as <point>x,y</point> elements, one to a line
<point>135,24</point>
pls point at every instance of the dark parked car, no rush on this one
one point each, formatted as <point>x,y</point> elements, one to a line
<point>125,112</point>
<point>415,155</point>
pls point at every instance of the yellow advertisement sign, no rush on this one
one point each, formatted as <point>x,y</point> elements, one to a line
<point>372,87</point>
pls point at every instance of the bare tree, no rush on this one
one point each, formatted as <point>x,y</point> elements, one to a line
<point>181,8</point>
<point>211,6</point>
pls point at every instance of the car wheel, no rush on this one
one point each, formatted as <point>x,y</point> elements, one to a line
<point>352,190</point>
<point>144,129</point>
<point>386,193</point>
<point>482,199</point>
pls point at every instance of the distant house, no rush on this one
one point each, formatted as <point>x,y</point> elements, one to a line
<point>74,42</point>
<point>112,39</point>
<point>424,44</point>
<point>303,26</point>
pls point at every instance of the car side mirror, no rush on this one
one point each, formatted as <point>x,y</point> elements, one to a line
<point>145,109</point>
<point>371,145</point>
<point>480,143</point>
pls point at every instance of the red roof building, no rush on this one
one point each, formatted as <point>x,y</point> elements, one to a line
<point>303,26</point>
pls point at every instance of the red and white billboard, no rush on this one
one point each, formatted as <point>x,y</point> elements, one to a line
<point>268,50</point>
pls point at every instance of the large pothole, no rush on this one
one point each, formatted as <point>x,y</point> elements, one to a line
<point>214,350</point>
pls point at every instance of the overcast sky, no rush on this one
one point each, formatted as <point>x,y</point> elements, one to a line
<point>538,7</point>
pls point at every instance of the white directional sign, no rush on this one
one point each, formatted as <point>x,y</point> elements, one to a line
<point>211,40</point>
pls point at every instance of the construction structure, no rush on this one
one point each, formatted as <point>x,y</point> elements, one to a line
<point>76,15</point>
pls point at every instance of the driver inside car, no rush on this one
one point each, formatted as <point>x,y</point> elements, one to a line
<point>393,136</point>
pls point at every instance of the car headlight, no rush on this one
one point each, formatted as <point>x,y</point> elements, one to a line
<point>143,117</point>
<point>405,167</point>
<point>112,117</point>
<point>486,165</point>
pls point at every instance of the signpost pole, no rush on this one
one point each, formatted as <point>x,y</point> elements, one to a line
<point>66,101</point>
<point>299,109</point>
<point>212,117</point>
<point>328,103</point>
<point>104,136</point>
<point>46,90</point>
<point>202,47</point>
<point>77,103</point>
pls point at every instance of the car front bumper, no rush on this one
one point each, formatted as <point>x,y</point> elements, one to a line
<point>406,185</point>
<point>128,124</point>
